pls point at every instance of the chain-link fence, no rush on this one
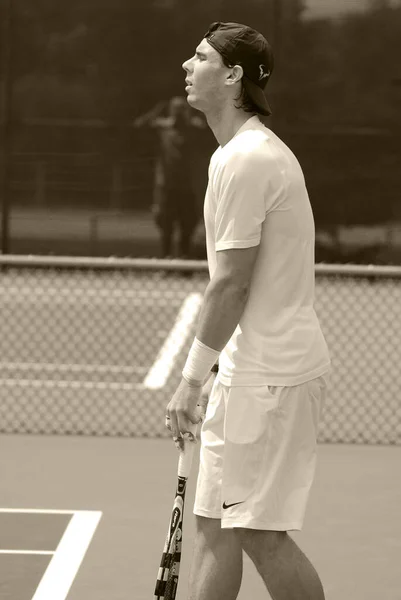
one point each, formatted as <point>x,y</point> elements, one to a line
<point>96,346</point>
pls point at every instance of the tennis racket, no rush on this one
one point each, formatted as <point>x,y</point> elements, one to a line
<point>167,577</point>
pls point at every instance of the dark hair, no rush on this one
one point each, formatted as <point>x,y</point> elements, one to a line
<point>244,101</point>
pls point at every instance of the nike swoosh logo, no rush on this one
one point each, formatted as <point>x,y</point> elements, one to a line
<point>233,504</point>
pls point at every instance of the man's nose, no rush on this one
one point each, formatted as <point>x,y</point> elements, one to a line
<point>187,65</point>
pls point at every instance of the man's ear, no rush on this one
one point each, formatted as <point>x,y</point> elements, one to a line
<point>236,74</point>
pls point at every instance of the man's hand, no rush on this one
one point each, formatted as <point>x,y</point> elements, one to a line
<point>205,395</point>
<point>182,412</point>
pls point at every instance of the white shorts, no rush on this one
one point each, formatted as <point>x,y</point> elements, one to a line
<point>258,454</point>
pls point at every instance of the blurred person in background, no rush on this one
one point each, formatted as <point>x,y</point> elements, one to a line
<point>175,203</point>
<point>259,435</point>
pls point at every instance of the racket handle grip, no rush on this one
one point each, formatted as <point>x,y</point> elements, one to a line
<point>186,456</point>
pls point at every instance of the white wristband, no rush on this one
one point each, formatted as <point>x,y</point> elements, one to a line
<point>200,360</point>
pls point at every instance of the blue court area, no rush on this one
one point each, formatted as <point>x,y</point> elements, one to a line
<point>27,544</point>
<point>352,531</point>
<point>42,550</point>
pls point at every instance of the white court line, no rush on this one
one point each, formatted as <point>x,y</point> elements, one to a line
<point>75,368</point>
<point>29,552</point>
<point>38,511</point>
<point>76,385</point>
<point>163,365</point>
<point>67,559</point>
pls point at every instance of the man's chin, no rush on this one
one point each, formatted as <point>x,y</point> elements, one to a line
<point>190,98</point>
<point>192,101</point>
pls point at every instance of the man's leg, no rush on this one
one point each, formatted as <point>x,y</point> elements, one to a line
<point>284,568</point>
<point>187,227</point>
<point>188,218</point>
<point>167,240</point>
<point>163,214</point>
<point>216,570</point>
<point>166,228</point>
<point>185,241</point>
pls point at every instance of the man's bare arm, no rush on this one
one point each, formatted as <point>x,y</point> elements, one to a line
<point>226,296</point>
<point>223,304</point>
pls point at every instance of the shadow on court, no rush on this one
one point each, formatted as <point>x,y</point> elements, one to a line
<point>352,531</point>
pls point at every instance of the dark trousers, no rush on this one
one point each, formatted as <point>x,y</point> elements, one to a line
<point>176,209</point>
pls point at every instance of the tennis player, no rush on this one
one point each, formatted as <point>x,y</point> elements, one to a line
<point>258,438</point>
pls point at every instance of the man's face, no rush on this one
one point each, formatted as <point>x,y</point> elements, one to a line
<point>206,77</point>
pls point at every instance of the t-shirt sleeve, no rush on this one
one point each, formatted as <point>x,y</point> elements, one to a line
<point>244,198</point>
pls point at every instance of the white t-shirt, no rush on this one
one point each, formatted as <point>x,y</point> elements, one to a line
<point>257,196</point>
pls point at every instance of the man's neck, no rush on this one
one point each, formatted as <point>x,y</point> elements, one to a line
<point>226,123</point>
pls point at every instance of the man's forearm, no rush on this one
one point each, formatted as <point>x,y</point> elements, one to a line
<point>223,305</point>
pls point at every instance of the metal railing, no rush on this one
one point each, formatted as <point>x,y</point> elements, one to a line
<point>95,346</point>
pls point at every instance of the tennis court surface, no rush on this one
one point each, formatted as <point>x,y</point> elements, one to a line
<point>119,491</point>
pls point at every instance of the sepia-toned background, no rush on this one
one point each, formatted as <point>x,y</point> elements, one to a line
<point>77,176</point>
